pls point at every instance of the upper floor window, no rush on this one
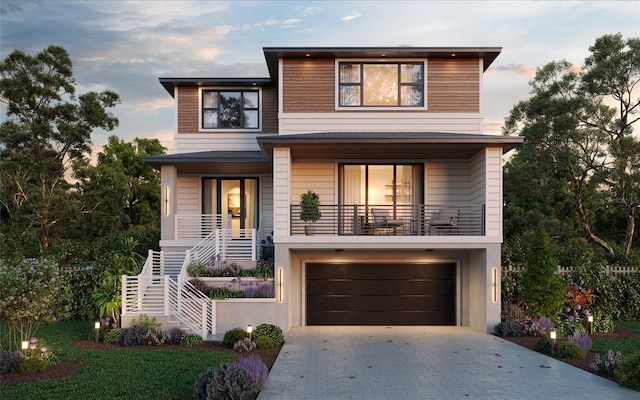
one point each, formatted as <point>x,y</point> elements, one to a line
<point>391,84</point>
<point>233,109</point>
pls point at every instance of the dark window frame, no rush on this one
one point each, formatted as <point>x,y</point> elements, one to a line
<point>400,84</point>
<point>243,108</point>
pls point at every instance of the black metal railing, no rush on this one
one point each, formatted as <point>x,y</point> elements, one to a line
<point>401,220</point>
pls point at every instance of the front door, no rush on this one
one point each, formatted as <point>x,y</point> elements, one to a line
<point>235,196</point>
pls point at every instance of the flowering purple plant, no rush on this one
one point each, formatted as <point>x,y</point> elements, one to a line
<point>582,339</point>
<point>256,367</point>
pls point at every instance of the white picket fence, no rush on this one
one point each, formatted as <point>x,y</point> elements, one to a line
<point>608,269</point>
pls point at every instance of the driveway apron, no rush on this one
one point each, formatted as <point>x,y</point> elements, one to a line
<point>423,362</point>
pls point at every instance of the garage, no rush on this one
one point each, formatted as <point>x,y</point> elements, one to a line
<point>381,294</point>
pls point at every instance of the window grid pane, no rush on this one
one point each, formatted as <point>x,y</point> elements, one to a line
<point>230,109</point>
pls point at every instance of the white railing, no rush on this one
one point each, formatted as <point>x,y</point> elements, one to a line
<point>224,244</point>
<point>199,226</point>
<point>161,295</point>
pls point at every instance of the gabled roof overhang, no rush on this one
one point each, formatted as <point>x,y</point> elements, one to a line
<point>385,145</point>
<point>171,83</point>
<point>273,54</point>
<point>214,162</point>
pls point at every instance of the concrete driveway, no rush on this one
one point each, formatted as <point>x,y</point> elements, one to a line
<point>347,362</point>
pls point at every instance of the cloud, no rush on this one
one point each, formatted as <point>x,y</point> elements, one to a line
<point>352,16</point>
<point>518,69</point>
<point>304,11</point>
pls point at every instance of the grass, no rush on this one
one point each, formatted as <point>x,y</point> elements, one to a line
<point>626,346</point>
<point>122,373</point>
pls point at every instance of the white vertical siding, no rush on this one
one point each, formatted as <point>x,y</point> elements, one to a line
<point>319,177</point>
<point>188,195</point>
<point>447,181</point>
<point>281,190</point>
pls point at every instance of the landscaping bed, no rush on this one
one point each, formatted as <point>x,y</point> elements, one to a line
<point>66,368</point>
<point>585,364</point>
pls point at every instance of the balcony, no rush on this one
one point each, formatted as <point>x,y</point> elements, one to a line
<point>400,220</point>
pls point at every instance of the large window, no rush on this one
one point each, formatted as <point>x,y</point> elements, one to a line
<point>381,84</point>
<point>236,109</point>
<point>381,184</point>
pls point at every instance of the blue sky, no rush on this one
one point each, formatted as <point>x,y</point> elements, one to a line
<point>126,46</point>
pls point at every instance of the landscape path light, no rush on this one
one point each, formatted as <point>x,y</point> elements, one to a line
<point>96,326</point>
<point>249,330</point>
<point>590,319</point>
<point>553,341</point>
<point>25,346</point>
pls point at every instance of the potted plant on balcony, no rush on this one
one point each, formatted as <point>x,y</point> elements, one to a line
<point>310,210</point>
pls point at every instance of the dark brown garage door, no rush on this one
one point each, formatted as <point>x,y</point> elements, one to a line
<point>381,294</point>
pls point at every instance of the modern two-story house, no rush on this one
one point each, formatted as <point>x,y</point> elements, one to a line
<point>390,139</point>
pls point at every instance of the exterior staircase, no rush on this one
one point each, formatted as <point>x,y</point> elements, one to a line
<point>162,289</point>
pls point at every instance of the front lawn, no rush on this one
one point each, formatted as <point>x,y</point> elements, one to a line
<point>626,346</point>
<point>116,373</point>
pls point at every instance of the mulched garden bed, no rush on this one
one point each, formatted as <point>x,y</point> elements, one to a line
<point>585,364</point>
<point>66,368</point>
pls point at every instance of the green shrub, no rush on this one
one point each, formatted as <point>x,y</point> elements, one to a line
<point>628,371</point>
<point>32,366</point>
<point>224,293</point>
<point>197,268</point>
<point>569,349</point>
<point>264,342</point>
<point>191,339</point>
<point>232,336</point>
<point>145,320</point>
<point>10,360</point>
<point>603,323</point>
<point>142,335</point>
<point>543,290</point>
<point>272,331</point>
<point>543,345</point>
<point>228,381</point>
<point>509,328</point>
<point>111,336</point>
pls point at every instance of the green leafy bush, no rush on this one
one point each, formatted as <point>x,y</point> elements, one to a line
<point>32,366</point>
<point>628,371</point>
<point>111,336</point>
<point>196,268</point>
<point>225,293</point>
<point>272,331</point>
<point>264,342</point>
<point>543,345</point>
<point>232,336</point>
<point>603,323</point>
<point>142,335</point>
<point>10,360</point>
<point>569,349</point>
<point>191,339</point>
<point>145,320</point>
<point>228,381</point>
<point>509,328</point>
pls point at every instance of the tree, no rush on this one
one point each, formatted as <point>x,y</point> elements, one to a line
<point>48,128</point>
<point>578,124</point>
<point>542,288</point>
<point>122,189</point>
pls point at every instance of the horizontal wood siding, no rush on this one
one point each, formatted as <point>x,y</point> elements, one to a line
<point>281,189</point>
<point>494,191</point>
<point>319,177</point>
<point>215,141</point>
<point>453,85</point>
<point>447,181</point>
<point>308,86</point>
<point>477,179</point>
<point>187,109</point>
<point>188,194</point>
<point>269,110</point>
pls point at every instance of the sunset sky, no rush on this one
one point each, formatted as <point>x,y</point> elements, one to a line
<point>126,46</point>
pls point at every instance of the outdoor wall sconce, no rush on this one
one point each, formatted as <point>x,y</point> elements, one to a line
<point>249,330</point>
<point>590,319</point>
<point>25,346</point>
<point>166,201</point>
<point>494,283</point>
<point>280,277</point>
<point>553,340</point>
<point>96,326</point>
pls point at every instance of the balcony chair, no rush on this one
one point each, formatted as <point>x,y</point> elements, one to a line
<point>382,220</point>
<point>446,222</point>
